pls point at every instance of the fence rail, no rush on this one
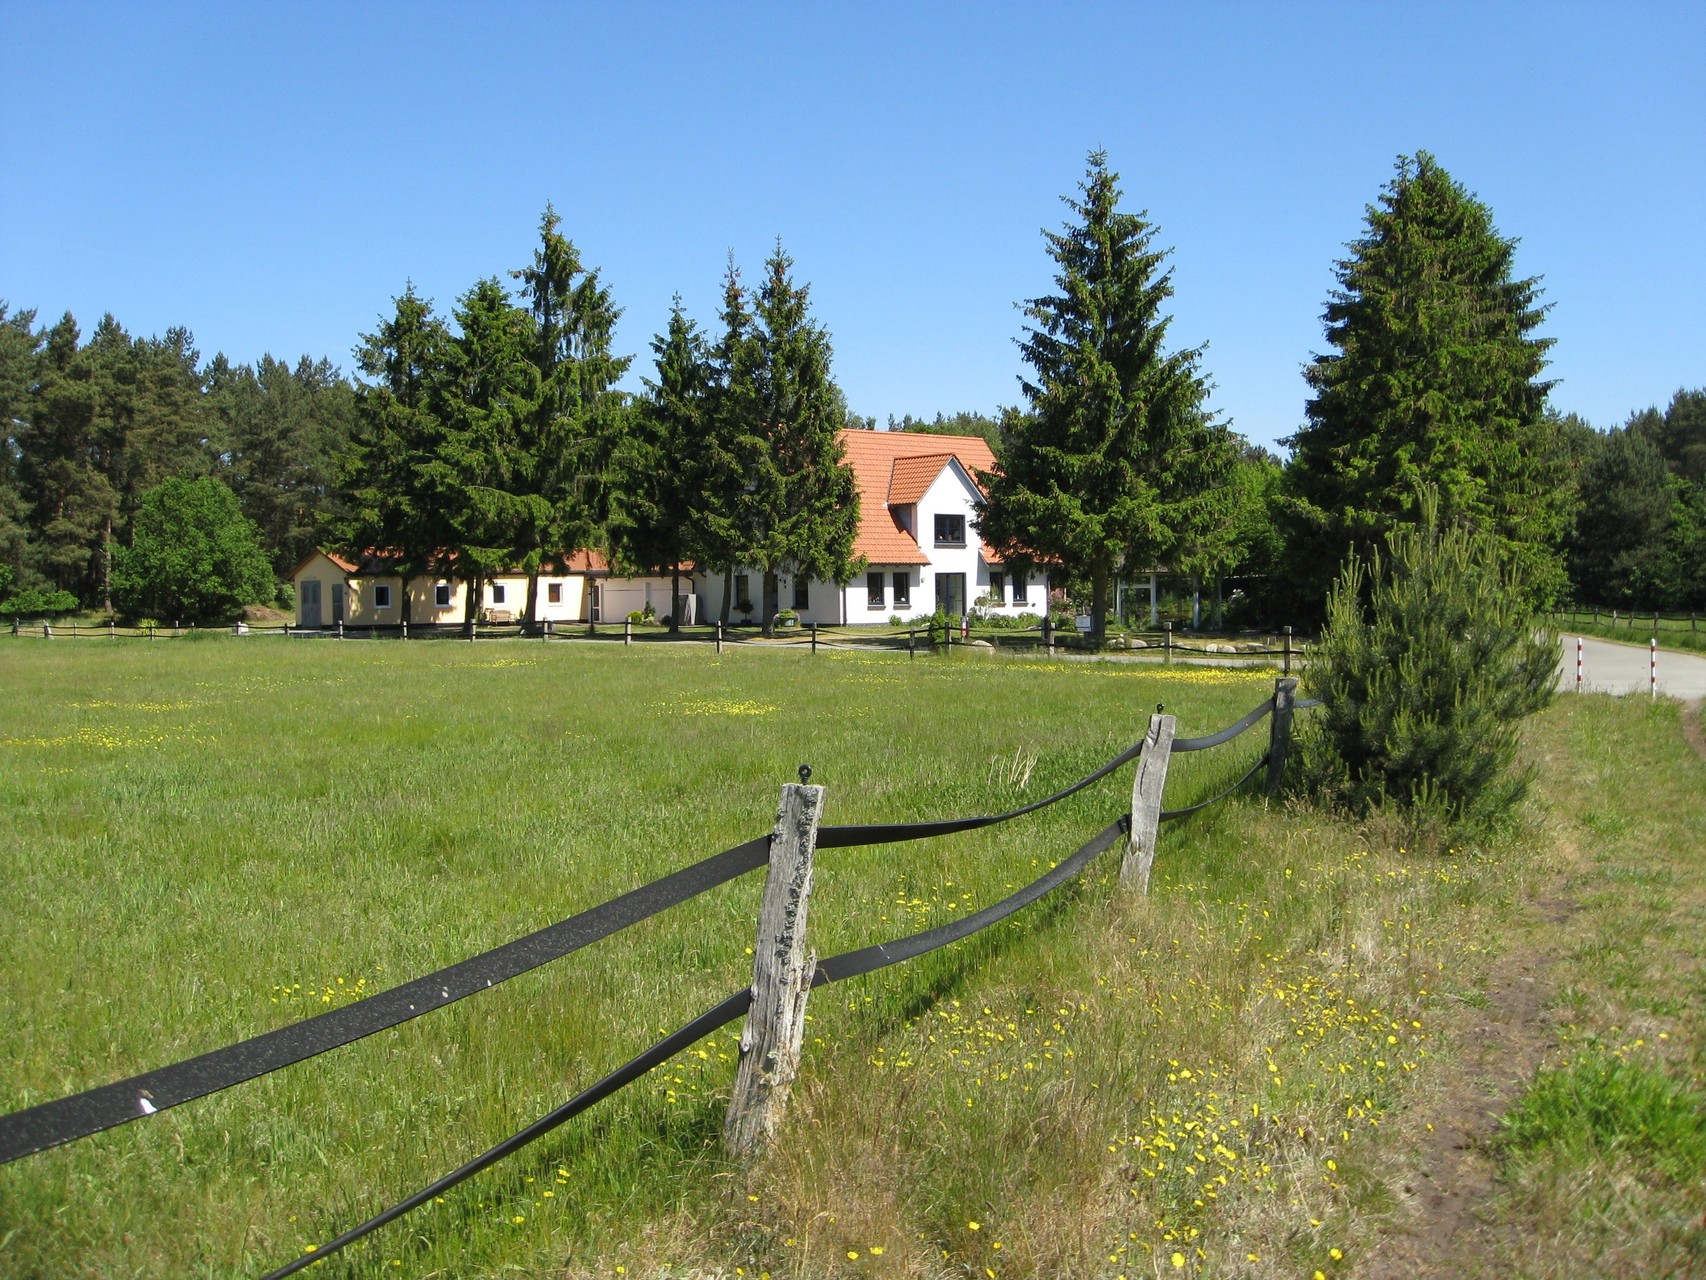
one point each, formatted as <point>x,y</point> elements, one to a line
<point>1278,646</point>
<point>774,1002</point>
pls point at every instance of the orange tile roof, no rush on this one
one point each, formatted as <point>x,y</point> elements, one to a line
<point>912,477</point>
<point>886,466</point>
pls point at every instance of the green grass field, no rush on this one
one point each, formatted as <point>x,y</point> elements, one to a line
<point>202,840</point>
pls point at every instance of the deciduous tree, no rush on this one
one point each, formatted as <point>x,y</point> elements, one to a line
<point>193,555</point>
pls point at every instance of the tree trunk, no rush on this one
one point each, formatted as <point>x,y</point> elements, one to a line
<point>728,593</point>
<point>1098,606</point>
<point>107,564</point>
<point>772,600</point>
<point>675,599</point>
<point>406,614</point>
<point>1196,602</point>
<point>1219,605</point>
<point>531,615</point>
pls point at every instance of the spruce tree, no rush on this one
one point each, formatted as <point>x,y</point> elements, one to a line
<point>1117,461</point>
<point>579,416</point>
<point>391,505</point>
<point>802,504</point>
<point>1434,380</point>
<point>661,463</point>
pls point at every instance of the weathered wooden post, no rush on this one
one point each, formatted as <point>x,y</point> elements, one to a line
<point>719,637</point>
<point>1166,644</point>
<point>627,632</point>
<point>1286,670</point>
<point>473,630</point>
<point>405,628</point>
<point>814,637</point>
<point>911,636</point>
<point>340,628</point>
<point>1279,731</point>
<point>1146,789</point>
<point>47,631</point>
<point>782,971</point>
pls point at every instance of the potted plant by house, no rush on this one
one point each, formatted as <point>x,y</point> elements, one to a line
<point>787,618</point>
<point>744,608</point>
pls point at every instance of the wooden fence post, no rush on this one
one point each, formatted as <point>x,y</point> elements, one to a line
<point>1146,803</point>
<point>782,971</point>
<point>627,632</point>
<point>1286,670</point>
<point>911,636</point>
<point>1279,732</point>
<point>814,637</point>
<point>719,637</point>
<point>1166,644</point>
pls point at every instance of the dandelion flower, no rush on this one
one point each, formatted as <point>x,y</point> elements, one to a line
<point>1179,1261</point>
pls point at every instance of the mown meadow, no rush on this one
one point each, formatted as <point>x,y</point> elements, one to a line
<point>202,840</point>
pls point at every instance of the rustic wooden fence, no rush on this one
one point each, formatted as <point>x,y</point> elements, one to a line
<point>774,1004</point>
<point>1278,647</point>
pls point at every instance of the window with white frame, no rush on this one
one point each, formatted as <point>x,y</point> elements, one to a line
<point>903,589</point>
<point>382,595</point>
<point>950,530</point>
<point>1021,593</point>
<point>998,588</point>
<point>441,595</point>
<point>497,593</point>
<point>873,591</point>
<point>554,592</point>
<point>802,591</point>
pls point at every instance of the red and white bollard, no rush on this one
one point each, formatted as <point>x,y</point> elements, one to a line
<point>1578,664</point>
<point>1653,669</point>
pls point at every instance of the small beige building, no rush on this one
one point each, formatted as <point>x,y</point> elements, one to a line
<point>366,592</point>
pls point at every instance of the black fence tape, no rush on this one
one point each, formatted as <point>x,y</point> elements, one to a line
<point>1225,735</point>
<point>81,1114</point>
<point>850,964</point>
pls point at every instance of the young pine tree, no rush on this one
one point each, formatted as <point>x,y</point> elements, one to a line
<point>1428,664</point>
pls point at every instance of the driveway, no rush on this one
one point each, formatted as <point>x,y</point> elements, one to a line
<point>1610,667</point>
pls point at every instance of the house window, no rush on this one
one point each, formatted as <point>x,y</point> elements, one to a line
<point>1020,594</point>
<point>554,592</point>
<point>998,588</point>
<point>802,591</point>
<point>382,596</point>
<point>903,589</point>
<point>873,591</point>
<point>441,595</point>
<point>950,531</point>
<point>497,593</point>
<point>743,597</point>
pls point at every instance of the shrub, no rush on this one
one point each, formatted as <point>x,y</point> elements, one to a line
<point>193,555</point>
<point>1429,661</point>
<point>39,602</point>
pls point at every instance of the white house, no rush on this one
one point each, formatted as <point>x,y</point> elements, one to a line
<point>916,535</point>
<point>367,591</point>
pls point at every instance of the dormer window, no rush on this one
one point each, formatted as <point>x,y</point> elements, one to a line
<point>950,531</point>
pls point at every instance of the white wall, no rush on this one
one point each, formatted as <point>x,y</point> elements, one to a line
<point>952,493</point>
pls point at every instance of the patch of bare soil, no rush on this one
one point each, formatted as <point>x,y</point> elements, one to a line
<point>1692,728</point>
<point>1445,1181</point>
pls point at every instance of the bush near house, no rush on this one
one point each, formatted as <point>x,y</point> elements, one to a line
<point>193,555</point>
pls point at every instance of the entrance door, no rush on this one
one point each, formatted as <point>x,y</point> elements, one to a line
<point>338,590</point>
<point>595,601</point>
<point>309,604</point>
<point>951,593</point>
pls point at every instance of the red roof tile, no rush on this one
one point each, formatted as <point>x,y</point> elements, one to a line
<point>883,460</point>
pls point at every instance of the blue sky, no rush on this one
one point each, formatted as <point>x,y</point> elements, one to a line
<point>271,175</point>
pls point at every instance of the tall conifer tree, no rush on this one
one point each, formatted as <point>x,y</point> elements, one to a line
<point>662,461</point>
<point>1117,462</point>
<point>1435,380</point>
<point>579,415</point>
<point>802,503</point>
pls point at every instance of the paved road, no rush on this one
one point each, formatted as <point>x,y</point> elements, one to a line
<point>1609,667</point>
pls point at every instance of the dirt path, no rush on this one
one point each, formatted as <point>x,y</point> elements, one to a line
<point>1447,1178</point>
